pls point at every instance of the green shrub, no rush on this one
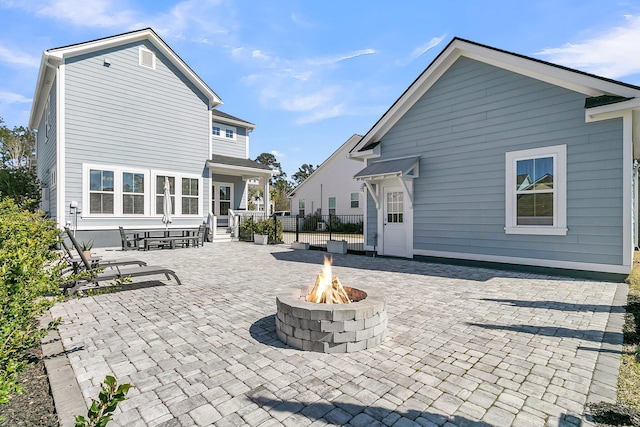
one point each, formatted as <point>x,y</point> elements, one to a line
<point>30,274</point>
<point>250,226</point>
<point>101,411</point>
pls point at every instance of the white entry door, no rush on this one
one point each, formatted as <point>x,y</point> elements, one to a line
<point>221,201</point>
<point>394,223</point>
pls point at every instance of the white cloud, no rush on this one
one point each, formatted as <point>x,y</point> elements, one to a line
<point>421,50</point>
<point>278,153</point>
<point>13,98</point>
<point>17,58</point>
<point>257,53</point>
<point>614,53</point>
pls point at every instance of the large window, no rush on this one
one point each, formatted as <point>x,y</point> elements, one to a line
<point>133,193</point>
<point>190,196</point>
<point>160,193</point>
<point>355,200</point>
<point>101,191</point>
<point>301,204</point>
<point>536,191</point>
<point>332,205</point>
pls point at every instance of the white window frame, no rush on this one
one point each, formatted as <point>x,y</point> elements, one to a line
<point>223,131</point>
<point>117,190</point>
<point>559,155</point>
<point>216,130</point>
<point>141,51</point>
<point>178,194</point>
<point>302,207</point>
<point>198,197</point>
<point>53,177</point>
<point>357,200</point>
<point>144,193</point>
<point>335,205</point>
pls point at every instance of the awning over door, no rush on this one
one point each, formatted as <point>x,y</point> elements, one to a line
<point>403,170</point>
<point>407,167</point>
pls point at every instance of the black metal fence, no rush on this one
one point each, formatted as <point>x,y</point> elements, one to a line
<point>313,229</point>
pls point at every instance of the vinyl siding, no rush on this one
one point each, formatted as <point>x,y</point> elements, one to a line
<point>462,128</point>
<point>46,151</point>
<point>133,116</point>
<point>231,147</point>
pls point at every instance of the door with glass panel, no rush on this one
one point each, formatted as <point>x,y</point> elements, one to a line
<point>393,222</point>
<point>221,201</point>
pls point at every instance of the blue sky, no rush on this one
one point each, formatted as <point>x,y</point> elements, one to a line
<point>312,73</point>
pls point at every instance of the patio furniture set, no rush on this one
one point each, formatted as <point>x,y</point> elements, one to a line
<point>162,238</point>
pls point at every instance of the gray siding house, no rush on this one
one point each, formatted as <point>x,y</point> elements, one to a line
<point>118,115</point>
<point>497,157</point>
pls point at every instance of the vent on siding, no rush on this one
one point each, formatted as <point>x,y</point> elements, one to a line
<point>147,58</point>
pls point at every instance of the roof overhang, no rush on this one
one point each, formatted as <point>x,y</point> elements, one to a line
<point>403,170</point>
<point>52,58</point>
<point>574,80</point>
<point>629,108</point>
<point>244,171</point>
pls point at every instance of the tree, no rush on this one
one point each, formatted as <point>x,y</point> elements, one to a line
<point>18,146</point>
<point>278,192</point>
<point>303,173</point>
<point>270,160</point>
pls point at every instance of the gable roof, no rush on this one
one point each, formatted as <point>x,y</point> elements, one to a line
<point>590,85</point>
<point>52,58</point>
<point>351,142</point>
<point>228,118</point>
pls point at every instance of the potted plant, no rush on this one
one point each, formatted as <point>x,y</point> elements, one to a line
<point>262,229</point>
<point>86,247</point>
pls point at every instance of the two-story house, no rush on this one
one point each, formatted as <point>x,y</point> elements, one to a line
<point>115,118</point>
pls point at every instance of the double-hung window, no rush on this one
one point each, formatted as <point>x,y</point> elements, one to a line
<point>536,191</point>
<point>332,205</point>
<point>160,179</point>
<point>132,193</point>
<point>301,205</point>
<point>101,191</point>
<point>215,130</point>
<point>355,200</point>
<point>190,201</point>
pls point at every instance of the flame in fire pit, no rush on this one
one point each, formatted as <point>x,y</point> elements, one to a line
<point>328,289</point>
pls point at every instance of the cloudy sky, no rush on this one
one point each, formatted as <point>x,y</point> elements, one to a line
<point>312,73</point>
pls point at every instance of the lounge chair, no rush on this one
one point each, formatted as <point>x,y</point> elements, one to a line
<point>95,262</point>
<point>116,272</point>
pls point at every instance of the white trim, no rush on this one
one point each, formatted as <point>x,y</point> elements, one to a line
<point>211,199</point>
<point>559,154</point>
<point>61,161</point>
<point>407,220</point>
<point>178,194</point>
<point>535,262</point>
<point>223,131</point>
<point>569,79</point>
<point>210,130</point>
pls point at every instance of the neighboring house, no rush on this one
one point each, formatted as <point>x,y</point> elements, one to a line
<point>118,115</point>
<point>331,189</point>
<point>498,157</point>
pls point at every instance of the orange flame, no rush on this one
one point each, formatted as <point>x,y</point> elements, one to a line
<point>328,288</point>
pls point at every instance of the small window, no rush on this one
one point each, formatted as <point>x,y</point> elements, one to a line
<point>355,200</point>
<point>147,58</point>
<point>160,193</point>
<point>53,177</point>
<point>301,206</point>
<point>395,207</point>
<point>101,191</point>
<point>332,205</point>
<point>536,195</point>
<point>215,130</point>
<point>190,196</point>
<point>229,133</point>
<point>132,193</point>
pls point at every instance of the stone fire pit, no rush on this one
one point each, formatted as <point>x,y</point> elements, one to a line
<point>331,328</point>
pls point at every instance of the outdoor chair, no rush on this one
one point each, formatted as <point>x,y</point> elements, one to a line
<point>114,273</point>
<point>201,234</point>
<point>129,240</point>
<point>94,261</point>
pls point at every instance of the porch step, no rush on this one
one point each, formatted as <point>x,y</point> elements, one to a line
<point>223,234</point>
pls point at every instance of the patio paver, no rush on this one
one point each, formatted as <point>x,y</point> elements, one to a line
<point>465,346</point>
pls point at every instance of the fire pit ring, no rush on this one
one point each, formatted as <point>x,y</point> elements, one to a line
<point>331,328</point>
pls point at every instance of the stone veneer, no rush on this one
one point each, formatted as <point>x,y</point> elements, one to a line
<point>331,328</point>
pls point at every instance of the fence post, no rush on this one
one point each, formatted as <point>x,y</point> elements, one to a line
<point>297,228</point>
<point>330,227</point>
<point>275,227</point>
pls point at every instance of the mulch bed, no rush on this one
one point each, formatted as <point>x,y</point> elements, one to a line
<point>35,407</point>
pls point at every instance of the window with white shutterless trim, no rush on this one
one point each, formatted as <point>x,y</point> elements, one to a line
<point>223,131</point>
<point>535,191</point>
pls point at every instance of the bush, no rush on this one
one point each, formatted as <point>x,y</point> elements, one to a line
<point>30,275</point>
<point>249,227</point>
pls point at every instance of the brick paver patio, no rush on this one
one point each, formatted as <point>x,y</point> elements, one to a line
<point>465,346</point>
